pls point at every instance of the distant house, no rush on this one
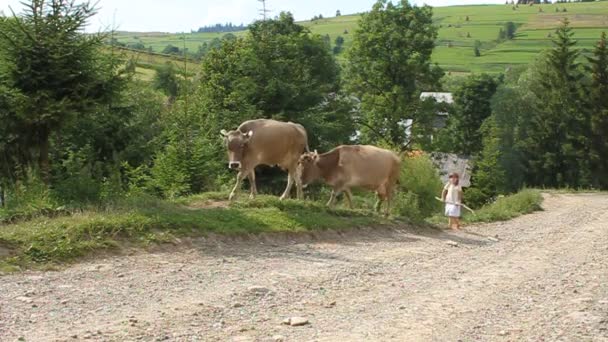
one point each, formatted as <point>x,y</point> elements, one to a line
<point>442,116</point>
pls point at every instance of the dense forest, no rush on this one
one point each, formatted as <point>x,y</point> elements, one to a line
<point>79,129</point>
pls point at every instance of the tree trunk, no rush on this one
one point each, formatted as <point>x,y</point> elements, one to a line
<point>2,197</point>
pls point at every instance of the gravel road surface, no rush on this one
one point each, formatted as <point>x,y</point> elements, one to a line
<point>540,277</point>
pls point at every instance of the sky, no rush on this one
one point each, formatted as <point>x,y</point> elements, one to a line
<point>184,15</point>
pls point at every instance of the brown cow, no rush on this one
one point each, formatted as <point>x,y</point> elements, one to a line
<point>267,142</point>
<point>348,166</point>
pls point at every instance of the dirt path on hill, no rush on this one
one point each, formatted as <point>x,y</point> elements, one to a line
<point>539,277</point>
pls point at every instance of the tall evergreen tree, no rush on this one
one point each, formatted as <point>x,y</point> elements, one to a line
<point>599,112</point>
<point>558,145</point>
<point>51,64</point>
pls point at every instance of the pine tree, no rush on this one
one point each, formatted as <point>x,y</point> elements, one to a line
<point>488,175</point>
<point>55,67</point>
<point>477,48</point>
<point>599,112</point>
<point>558,147</point>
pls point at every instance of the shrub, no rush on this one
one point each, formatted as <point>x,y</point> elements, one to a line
<point>193,158</point>
<point>419,184</point>
<point>170,173</point>
<point>475,198</point>
<point>112,189</point>
<point>27,198</point>
<point>508,207</point>
<point>77,180</point>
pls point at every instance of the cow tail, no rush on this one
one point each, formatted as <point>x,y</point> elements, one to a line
<point>305,138</point>
<point>401,157</point>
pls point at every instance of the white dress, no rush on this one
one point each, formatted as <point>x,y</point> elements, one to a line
<point>452,200</point>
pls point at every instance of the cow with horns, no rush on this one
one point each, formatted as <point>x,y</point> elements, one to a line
<point>265,142</point>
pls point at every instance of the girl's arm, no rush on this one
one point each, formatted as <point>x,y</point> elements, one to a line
<point>444,193</point>
<point>460,195</point>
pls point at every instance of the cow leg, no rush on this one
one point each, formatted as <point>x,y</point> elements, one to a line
<point>237,186</point>
<point>290,182</point>
<point>382,192</point>
<point>254,188</point>
<point>332,199</point>
<point>389,199</point>
<point>378,204</point>
<point>299,190</point>
<point>381,198</point>
<point>387,209</point>
<point>349,197</point>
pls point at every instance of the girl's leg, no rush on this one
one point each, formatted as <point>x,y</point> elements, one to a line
<point>455,225</point>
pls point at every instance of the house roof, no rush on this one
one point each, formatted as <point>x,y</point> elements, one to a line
<point>439,97</point>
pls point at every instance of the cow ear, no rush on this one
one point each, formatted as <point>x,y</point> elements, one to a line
<point>223,133</point>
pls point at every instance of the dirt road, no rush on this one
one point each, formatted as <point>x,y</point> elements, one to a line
<point>545,277</point>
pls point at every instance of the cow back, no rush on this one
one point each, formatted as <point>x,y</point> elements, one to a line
<point>274,142</point>
<point>363,166</point>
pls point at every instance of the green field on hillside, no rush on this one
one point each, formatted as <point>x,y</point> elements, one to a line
<point>457,36</point>
<point>158,40</point>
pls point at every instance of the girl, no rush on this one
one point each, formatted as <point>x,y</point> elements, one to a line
<point>452,196</point>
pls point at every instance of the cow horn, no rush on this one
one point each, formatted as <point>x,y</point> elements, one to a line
<point>249,134</point>
<point>223,132</point>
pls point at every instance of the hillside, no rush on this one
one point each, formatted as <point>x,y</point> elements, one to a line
<point>457,36</point>
<point>454,49</point>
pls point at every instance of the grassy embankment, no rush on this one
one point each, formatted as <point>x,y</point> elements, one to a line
<point>44,239</point>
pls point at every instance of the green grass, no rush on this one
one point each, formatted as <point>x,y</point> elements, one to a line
<point>588,19</point>
<point>159,40</point>
<point>50,240</point>
<point>44,241</point>
<point>508,207</point>
<point>504,208</point>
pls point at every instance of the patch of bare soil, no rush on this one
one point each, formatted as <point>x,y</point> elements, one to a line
<point>539,277</point>
<point>209,204</point>
<point>4,252</point>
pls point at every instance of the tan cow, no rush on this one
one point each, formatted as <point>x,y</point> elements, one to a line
<point>349,166</point>
<point>267,142</point>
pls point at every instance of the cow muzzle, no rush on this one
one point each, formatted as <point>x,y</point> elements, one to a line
<point>234,165</point>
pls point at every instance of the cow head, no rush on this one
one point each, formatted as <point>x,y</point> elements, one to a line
<point>308,170</point>
<point>236,143</point>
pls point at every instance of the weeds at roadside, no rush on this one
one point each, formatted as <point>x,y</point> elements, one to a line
<point>504,208</point>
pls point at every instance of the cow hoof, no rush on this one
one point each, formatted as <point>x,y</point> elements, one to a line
<point>282,197</point>
<point>232,197</point>
<point>252,197</point>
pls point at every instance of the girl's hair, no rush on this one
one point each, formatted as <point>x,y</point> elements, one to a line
<point>455,175</point>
